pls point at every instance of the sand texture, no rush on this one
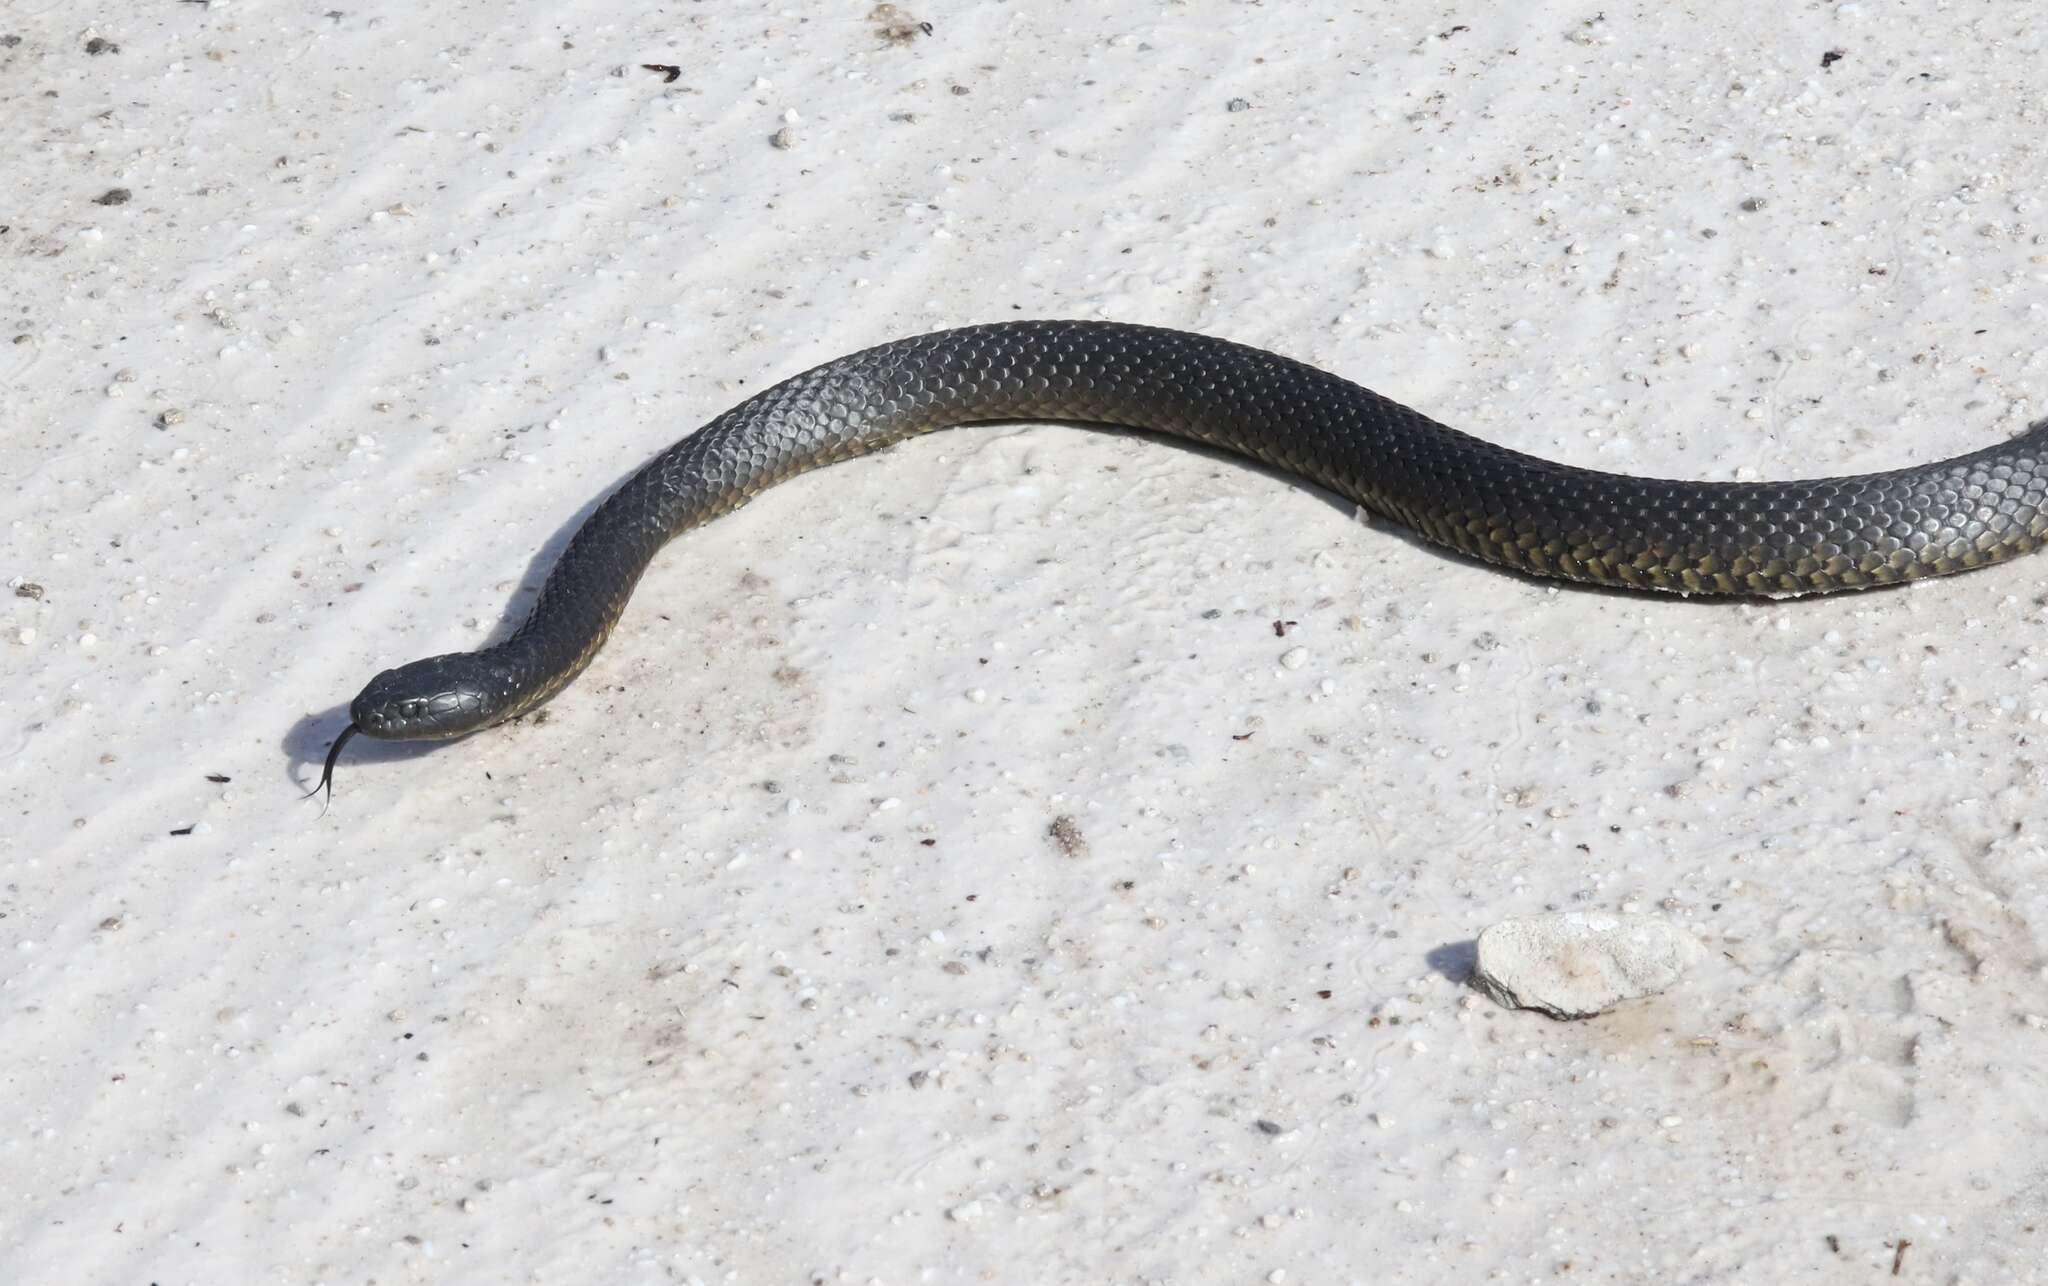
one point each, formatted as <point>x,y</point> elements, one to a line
<point>1032,854</point>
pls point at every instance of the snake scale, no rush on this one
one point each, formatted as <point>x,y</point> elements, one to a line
<point>1755,539</point>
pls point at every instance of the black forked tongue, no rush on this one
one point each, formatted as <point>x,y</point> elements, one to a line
<point>327,773</point>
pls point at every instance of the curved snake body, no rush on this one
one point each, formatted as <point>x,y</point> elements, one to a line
<point>1738,538</point>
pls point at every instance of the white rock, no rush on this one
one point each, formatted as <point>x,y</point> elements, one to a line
<point>966,1212</point>
<point>1576,964</point>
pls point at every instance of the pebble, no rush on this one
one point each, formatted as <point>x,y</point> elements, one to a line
<point>1576,964</point>
<point>1294,658</point>
<point>966,1212</point>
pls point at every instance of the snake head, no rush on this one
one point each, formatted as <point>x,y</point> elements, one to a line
<point>441,696</point>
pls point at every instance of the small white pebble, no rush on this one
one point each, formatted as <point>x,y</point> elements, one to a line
<point>967,1212</point>
<point>1294,658</point>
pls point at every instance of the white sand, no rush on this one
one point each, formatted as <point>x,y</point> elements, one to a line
<point>754,962</point>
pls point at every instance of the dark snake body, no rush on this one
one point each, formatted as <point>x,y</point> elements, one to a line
<point>1741,538</point>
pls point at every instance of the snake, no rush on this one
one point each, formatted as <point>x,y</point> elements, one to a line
<point>1738,539</point>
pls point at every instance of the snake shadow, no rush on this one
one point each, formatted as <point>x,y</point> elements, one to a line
<point>306,742</point>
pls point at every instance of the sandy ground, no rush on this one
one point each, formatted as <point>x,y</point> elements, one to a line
<point>756,960</point>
